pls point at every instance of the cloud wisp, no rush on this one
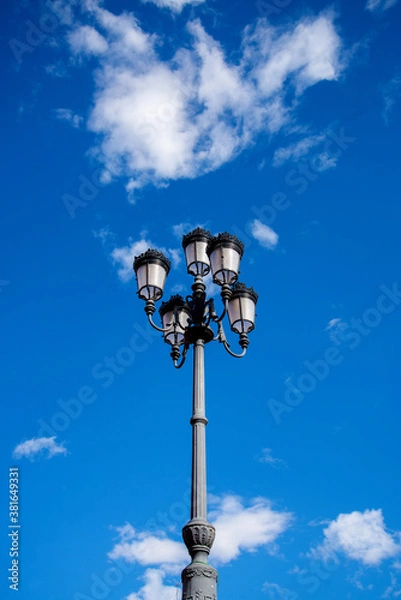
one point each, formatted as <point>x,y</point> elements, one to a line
<point>265,235</point>
<point>39,447</point>
<point>391,94</point>
<point>380,5</point>
<point>268,458</point>
<point>175,6</point>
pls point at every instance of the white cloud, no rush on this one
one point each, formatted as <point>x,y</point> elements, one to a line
<point>241,529</point>
<point>160,120</point>
<point>265,235</point>
<point>380,5</point>
<point>174,5</point>
<point>39,446</point>
<point>66,114</point>
<point>360,536</point>
<point>154,588</point>
<point>268,458</point>
<point>307,54</point>
<point>124,256</point>
<point>148,549</point>
<point>87,40</point>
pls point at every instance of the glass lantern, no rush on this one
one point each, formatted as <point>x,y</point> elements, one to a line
<point>151,269</point>
<point>195,246</point>
<point>176,317</point>
<point>242,308</point>
<point>225,252</point>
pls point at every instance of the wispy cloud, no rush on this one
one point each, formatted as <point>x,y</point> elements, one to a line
<point>159,120</point>
<point>394,589</point>
<point>296,150</point>
<point>268,458</point>
<point>45,447</point>
<point>65,114</point>
<point>361,536</point>
<point>265,235</point>
<point>391,94</point>
<point>181,229</point>
<point>277,592</point>
<point>380,5</point>
<point>174,5</point>
<point>336,329</point>
<point>312,148</point>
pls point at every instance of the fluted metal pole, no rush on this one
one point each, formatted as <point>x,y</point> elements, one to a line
<point>199,579</point>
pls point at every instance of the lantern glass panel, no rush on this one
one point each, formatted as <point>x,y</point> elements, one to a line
<point>151,279</point>
<point>225,265</point>
<point>241,313</point>
<point>197,259</point>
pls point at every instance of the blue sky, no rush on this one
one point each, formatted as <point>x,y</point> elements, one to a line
<point>125,125</point>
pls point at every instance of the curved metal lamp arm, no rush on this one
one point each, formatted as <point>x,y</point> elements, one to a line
<point>221,337</point>
<point>227,347</point>
<point>149,310</point>
<point>156,326</point>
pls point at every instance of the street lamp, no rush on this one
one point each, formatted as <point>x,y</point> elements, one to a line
<point>188,322</point>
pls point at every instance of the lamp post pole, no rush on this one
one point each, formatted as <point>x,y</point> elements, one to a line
<point>199,579</point>
<point>188,323</point>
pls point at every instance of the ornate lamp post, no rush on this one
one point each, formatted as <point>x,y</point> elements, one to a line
<point>188,322</point>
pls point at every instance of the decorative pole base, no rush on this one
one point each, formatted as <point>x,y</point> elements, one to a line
<point>199,579</point>
<point>199,582</point>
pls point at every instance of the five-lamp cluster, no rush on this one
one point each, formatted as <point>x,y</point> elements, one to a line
<point>184,320</point>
